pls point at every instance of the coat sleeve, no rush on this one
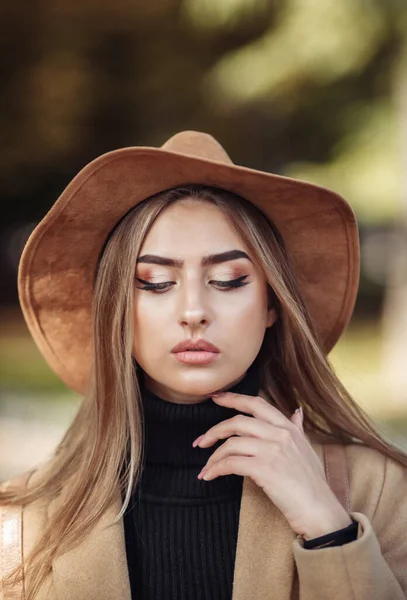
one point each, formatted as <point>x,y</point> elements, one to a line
<point>372,567</point>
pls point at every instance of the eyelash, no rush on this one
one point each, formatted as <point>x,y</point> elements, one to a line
<point>227,285</point>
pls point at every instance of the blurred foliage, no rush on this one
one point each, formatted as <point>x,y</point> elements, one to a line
<point>313,44</point>
<point>304,88</point>
<point>291,86</point>
<point>298,87</point>
<point>367,166</point>
<point>22,366</point>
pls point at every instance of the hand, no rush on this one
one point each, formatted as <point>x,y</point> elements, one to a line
<point>276,454</point>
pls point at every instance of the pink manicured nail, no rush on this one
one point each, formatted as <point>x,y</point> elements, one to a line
<point>218,394</point>
<point>202,472</point>
<point>198,439</point>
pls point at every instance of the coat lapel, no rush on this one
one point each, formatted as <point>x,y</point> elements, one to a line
<point>97,568</point>
<point>264,566</point>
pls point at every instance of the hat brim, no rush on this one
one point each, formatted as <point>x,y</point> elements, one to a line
<point>58,263</point>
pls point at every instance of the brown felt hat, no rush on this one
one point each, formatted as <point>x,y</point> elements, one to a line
<point>59,260</point>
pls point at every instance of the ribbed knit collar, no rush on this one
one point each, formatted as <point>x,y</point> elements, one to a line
<point>171,464</point>
<point>170,428</point>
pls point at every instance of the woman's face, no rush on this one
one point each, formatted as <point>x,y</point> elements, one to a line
<point>193,305</point>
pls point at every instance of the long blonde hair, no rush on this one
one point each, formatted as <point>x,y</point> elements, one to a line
<point>103,446</point>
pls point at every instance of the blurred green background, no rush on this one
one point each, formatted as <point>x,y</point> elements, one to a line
<point>309,89</point>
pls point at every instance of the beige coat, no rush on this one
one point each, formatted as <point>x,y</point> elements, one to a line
<point>271,563</point>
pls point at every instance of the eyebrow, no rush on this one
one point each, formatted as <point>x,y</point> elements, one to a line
<point>211,259</point>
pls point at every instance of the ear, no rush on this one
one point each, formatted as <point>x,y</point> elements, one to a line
<point>271,317</point>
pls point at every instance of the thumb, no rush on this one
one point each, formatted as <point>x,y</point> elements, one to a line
<point>297,418</point>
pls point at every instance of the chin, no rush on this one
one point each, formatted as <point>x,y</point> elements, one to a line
<point>196,390</point>
<point>202,388</point>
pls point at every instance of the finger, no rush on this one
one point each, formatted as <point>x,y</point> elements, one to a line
<point>238,425</point>
<point>253,405</point>
<point>233,465</point>
<point>239,446</point>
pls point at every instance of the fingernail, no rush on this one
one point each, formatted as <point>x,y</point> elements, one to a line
<point>301,413</point>
<point>198,439</point>
<point>218,394</point>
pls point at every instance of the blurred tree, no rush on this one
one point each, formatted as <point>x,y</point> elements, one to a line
<point>297,87</point>
<point>395,308</point>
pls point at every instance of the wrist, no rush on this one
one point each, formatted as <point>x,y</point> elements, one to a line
<point>326,526</point>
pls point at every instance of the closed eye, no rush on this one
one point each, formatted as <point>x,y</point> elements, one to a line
<point>159,288</point>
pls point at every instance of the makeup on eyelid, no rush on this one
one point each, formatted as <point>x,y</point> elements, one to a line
<point>225,284</point>
<point>153,277</point>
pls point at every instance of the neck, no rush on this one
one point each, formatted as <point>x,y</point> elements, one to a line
<point>171,464</point>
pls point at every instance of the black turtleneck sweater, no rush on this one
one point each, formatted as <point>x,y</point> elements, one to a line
<point>181,532</point>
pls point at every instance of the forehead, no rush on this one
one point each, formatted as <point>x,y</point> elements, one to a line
<point>187,225</point>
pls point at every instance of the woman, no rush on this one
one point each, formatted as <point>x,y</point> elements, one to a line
<point>158,278</point>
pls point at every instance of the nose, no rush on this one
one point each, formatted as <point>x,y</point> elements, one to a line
<point>193,320</point>
<point>194,311</point>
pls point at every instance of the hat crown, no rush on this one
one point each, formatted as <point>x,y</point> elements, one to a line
<point>199,144</point>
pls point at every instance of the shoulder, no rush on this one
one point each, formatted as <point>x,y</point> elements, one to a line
<point>21,528</point>
<point>17,482</point>
<point>22,525</point>
<point>11,530</point>
<point>23,480</point>
<point>375,479</point>
<point>370,469</point>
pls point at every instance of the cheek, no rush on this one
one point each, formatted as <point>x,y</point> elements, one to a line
<point>250,319</point>
<point>149,324</point>
<point>149,310</point>
<point>245,317</point>
<point>144,312</point>
<point>248,302</point>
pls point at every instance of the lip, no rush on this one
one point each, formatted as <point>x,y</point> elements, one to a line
<point>196,357</point>
<point>195,346</point>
